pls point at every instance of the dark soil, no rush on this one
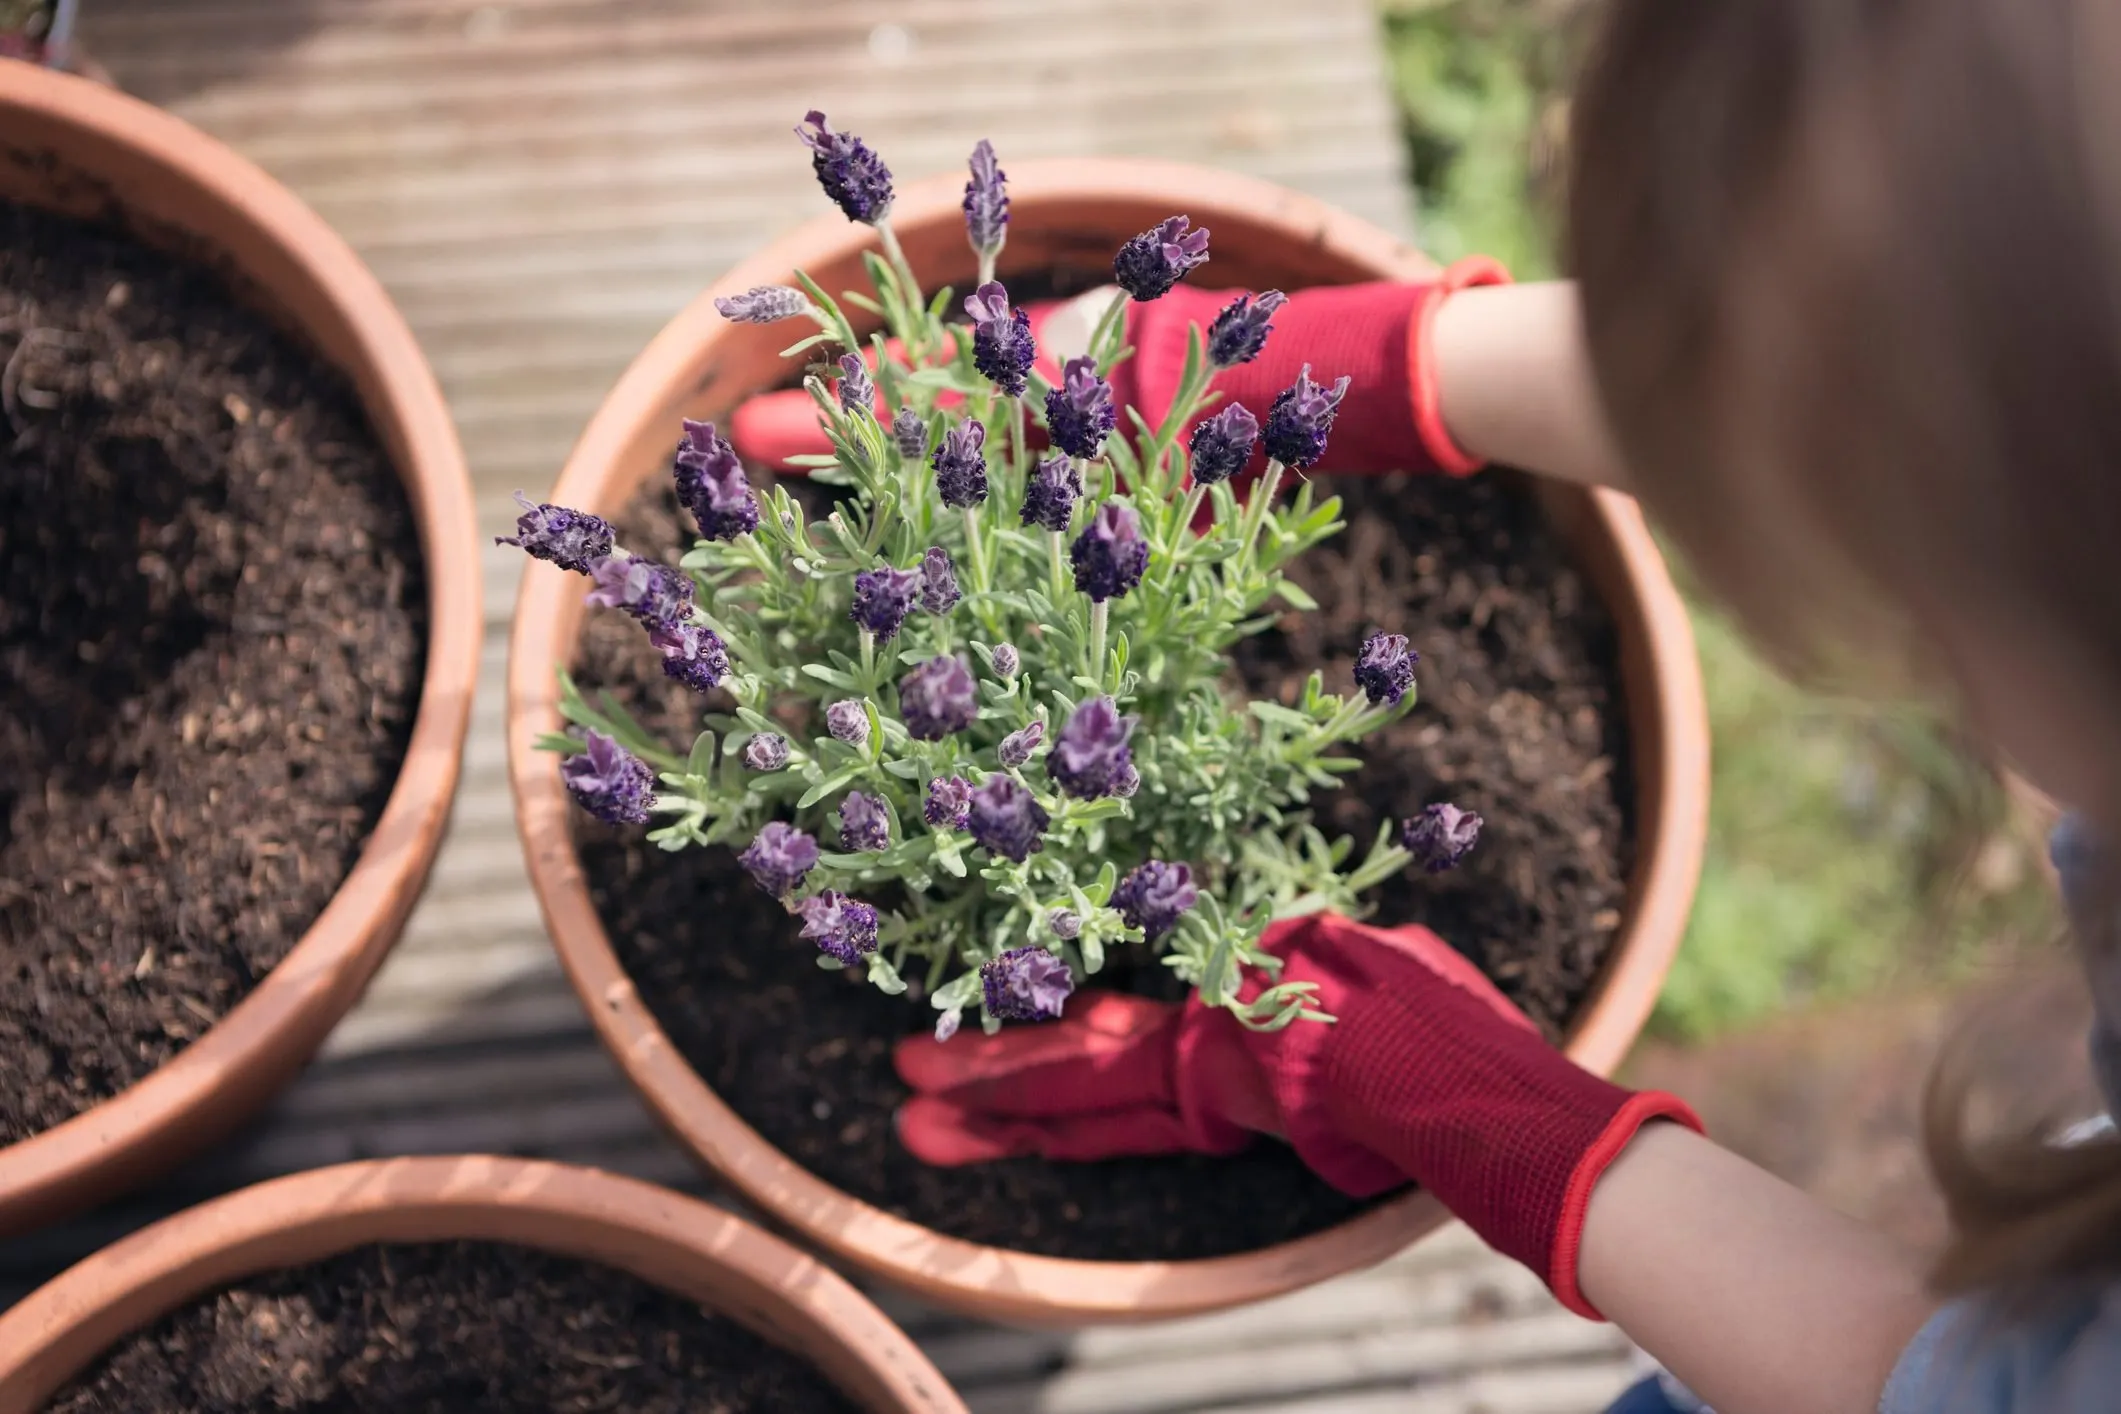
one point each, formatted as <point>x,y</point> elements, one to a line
<point>448,1328</point>
<point>1521,720</point>
<point>212,629</point>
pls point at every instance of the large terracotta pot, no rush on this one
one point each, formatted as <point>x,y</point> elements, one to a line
<point>674,1242</point>
<point>73,146</point>
<point>1066,214</point>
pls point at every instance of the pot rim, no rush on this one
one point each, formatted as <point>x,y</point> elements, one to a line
<point>681,1244</point>
<point>1668,722</point>
<point>240,1060</point>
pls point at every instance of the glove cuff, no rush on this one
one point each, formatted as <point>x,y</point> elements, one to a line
<point>1424,384</point>
<point>1640,1109</point>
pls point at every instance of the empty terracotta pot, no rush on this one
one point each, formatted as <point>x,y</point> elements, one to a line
<point>75,147</point>
<point>677,1243</point>
<point>1067,215</point>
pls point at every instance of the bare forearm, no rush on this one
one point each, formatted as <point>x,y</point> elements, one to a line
<point>1761,1299</point>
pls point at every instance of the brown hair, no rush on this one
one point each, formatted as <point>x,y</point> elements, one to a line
<point>1851,277</point>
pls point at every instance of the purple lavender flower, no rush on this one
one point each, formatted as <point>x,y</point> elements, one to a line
<point>609,781</point>
<point>1005,819</point>
<point>768,751</point>
<point>573,540</point>
<point>961,465</point>
<point>1222,444</point>
<point>1066,923</point>
<point>1301,418</point>
<point>949,802</point>
<point>1025,984</point>
<point>1440,836</point>
<point>763,304</point>
<point>1154,896</point>
<point>1240,331</point>
<point>1006,661</point>
<point>1002,346</point>
<point>1127,782</point>
<point>850,172</point>
<point>1151,263</point>
<point>1384,668</point>
<point>910,430</point>
<point>939,591</point>
<point>1050,494</point>
<point>938,698</point>
<point>711,484</point>
<point>848,721</point>
<point>946,1025</point>
<point>843,928</point>
<point>1079,413</point>
<point>693,654</point>
<point>1018,746</point>
<point>857,392</point>
<point>865,825</point>
<point>1110,554</point>
<point>653,593</point>
<point>1091,751</point>
<point>882,599</point>
<point>986,201</point>
<point>779,858</point>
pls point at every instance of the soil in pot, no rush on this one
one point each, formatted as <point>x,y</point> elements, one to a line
<point>1522,719</point>
<point>448,1328</point>
<point>212,630</point>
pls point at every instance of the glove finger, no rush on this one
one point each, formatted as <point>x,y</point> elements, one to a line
<point>772,428</point>
<point>1338,944</point>
<point>1111,1051</point>
<point>948,1135</point>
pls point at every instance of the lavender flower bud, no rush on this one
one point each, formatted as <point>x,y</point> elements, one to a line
<point>573,540</point>
<point>711,484</point>
<point>946,1025</point>
<point>1240,331</point>
<point>986,201</point>
<point>1025,984</point>
<point>1006,661</point>
<point>1127,783</point>
<point>949,802</point>
<point>1384,668</point>
<point>1005,819</point>
<point>1091,752</point>
<point>865,825</point>
<point>938,698</point>
<point>857,392</point>
<point>1151,263</point>
<point>1154,896</point>
<point>1222,444</point>
<point>609,781</point>
<point>653,593</point>
<point>1079,413</point>
<point>779,858</point>
<point>693,654</point>
<point>1050,494</point>
<point>842,927</point>
<point>1301,418</point>
<point>883,598</point>
<point>1440,836</point>
<point>1018,746</point>
<point>1002,346</point>
<point>848,721</point>
<point>939,591</point>
<point>910,430</point>
<point>850,172</point>
<point>961,466</point>
<point>768,751</point>
<point>1110,555</point>
<point>763,304</point>
<point>1066,923</point>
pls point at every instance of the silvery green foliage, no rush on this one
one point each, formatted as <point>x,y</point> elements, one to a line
<point>1206,779</point>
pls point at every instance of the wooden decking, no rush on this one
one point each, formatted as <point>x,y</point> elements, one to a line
<point>542,184</point>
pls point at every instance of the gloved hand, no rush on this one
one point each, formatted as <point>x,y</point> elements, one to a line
<point>1376,334</point>
<point>1427,1074</point>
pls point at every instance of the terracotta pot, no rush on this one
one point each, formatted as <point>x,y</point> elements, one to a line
<point>73,146</point>
<point>1066,214</point>
<point>677,1243</point>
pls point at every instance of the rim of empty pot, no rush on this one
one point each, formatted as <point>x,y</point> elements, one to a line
<point>111,148</point>
<point>680,367</point>
<point>680,1244</point>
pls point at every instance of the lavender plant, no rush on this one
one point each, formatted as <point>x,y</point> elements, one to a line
<point>973,728</point>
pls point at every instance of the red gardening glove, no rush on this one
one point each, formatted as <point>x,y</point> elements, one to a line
<point>1376,334</point>
<point>1428,1074</point>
